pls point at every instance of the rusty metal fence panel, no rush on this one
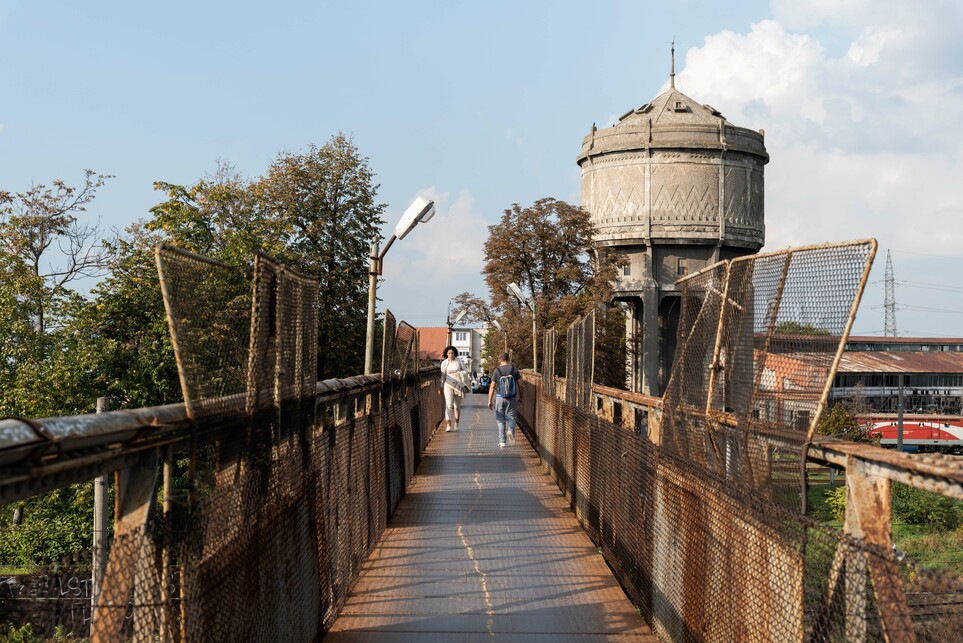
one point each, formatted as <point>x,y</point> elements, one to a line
<point>274,488</point>
<point>548,361</point>
<point>400,348</point>
<point>703,520</point>
<point>580,361</point>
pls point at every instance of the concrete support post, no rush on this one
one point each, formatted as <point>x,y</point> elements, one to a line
<point>99,563</point>
<point>650,342</point>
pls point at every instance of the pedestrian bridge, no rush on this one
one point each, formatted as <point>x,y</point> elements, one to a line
<point>272,507</point>
<point>483,546</point>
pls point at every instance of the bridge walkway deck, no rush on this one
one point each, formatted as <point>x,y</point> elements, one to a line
<point>484,548</point>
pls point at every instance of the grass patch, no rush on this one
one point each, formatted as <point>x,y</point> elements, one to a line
<point>931,548</point>
<point>17,570</point>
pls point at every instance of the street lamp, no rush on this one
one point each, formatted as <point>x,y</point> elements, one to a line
<point>420,211</point>
<point>451,322</point>
<point>498,327</point>
<point>516,292</point>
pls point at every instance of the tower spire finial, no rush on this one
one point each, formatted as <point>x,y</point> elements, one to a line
<point>672,69</point>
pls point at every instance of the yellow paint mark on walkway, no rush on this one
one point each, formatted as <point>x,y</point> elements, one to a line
<point>489,611</point>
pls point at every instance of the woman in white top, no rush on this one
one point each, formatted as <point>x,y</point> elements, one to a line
<point>451,373</point>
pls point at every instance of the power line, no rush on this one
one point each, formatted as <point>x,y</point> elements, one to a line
<point>931,286</point>
<point>928,309</point>
<point>922,254</point>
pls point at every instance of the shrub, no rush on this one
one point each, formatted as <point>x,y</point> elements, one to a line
<point>918,507</point>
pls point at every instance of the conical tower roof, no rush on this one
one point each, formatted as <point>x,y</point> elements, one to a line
<point>672,120</point>
<point>672,107</point>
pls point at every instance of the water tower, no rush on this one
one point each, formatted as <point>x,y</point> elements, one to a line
<point>674,187</point>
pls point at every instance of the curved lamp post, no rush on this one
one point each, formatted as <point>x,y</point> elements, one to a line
<point>498,327</point>
<point>516,292</point>
<point>420,211</point>
<point>451,322</point>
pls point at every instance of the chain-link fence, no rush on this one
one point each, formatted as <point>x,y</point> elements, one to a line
<point>548,361</point>
<point>580,361</point>
<point>247,517</point>
<point>400,348</point>
<point>701,515</point>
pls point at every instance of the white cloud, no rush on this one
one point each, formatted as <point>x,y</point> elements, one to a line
<point>865,50</point>
<point>443,255</point>
<point>866,142</point>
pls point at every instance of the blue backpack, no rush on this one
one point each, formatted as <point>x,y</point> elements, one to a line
<point>505,384</point>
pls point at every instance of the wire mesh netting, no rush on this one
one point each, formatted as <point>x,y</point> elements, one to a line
<point>266,509</point>
<point>400,348</point>
<point>704,523</point>
<point>548,361</point>
<point>580,361</point>
<point>758,341</point>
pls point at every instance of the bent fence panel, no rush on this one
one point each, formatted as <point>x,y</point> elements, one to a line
<point>699,510</point>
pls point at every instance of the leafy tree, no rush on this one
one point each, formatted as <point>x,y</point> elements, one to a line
<point>324,201</point>
<point>911,506</point>
<point>315,211</point>
<point>838,422</point>
<point>41,228</point>
<point>52,528</point>
<point>548,249</point>
<point>219,217</point>
<point>121,337</point>
<point>44,247</point>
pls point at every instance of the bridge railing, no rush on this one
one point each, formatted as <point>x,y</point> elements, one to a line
<point>700,500</point>
<point>705,559</point>
<point>264,546</point>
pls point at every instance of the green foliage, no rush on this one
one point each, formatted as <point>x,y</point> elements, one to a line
<point>25,634</point>
<point>56,527</point>
<point>798,328</point>
<point>314,211</point>
<point>918,507</point>
<point>836,502</point>
<point>910,506</point>
<point>610,347</point>
<point>325,202</point>
<point>838,422</point>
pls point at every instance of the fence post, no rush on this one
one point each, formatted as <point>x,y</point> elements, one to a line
<point>99,563</point>
<point>869,518</point>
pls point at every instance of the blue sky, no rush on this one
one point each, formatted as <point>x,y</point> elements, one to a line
<point>481,105</point>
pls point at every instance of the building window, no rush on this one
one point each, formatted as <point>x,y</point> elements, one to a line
<point>627,270</point>
<point>681,269</point>
<point>461,336</point>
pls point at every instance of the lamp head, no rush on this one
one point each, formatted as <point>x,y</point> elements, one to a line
<point>514,290</point>
<point>460,316</point>
<point>495,323</point>
<point>420,210</point>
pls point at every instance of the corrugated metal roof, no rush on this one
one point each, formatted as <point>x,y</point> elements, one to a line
<point>901,362</point>
<point>878,339</point>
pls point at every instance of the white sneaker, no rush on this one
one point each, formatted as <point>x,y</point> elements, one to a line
<point>448,429</point>
<point>511,438</point>
<point>501,444</point>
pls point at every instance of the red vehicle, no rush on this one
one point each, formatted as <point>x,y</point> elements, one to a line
<point>925,433</point>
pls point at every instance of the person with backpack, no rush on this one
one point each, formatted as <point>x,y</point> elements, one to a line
<point>503,397</point>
